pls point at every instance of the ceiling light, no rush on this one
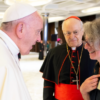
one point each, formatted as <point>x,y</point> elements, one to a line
<point>95,9</point>
<point>39,2</point>
<point>54,19</point>
<point>31,2</point>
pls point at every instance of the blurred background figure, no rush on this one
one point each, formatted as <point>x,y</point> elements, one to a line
<point>48,46</point>
<point>59,41</point>
<point>41,50</point>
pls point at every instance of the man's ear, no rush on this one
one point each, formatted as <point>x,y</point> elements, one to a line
<point>19,30</point>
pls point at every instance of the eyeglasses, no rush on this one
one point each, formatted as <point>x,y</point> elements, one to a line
<point>90,43</point>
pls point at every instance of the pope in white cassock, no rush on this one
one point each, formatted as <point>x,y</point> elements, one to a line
<point>20,29</point>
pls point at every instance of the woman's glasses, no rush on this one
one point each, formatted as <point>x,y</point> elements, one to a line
<point>89,43</point>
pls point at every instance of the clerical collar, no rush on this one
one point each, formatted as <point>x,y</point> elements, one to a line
<point>73,48</point>
<point>76,48</point>
<point>12,46</point>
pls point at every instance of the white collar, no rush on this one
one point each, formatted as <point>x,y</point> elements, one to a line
<point>11,45</point>
<point>73,48</point>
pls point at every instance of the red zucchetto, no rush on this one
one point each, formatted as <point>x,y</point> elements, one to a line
<point>73,17</point>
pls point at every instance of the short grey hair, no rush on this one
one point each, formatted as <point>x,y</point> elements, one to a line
<point>6,25</point>
<point>92,30</point>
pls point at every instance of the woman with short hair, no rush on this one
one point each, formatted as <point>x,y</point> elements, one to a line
<point>90,88</point>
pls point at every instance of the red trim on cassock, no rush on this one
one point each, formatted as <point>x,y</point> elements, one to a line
<point>67,92</point>
<point>79,67</point>
<point>48,80</point>
<point>62,66</point>
<point>71,67</point>
<point>73,61</point>
<point>73,56</point>
<point>59,71</point>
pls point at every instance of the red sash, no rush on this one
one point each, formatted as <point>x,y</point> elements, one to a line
<point>67,92</point>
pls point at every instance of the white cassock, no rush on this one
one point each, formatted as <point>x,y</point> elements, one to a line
<point>12,85</point>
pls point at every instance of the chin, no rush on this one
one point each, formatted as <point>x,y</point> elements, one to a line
<point>73,45</point>
<point>93,58</point>
<point>25,53</point>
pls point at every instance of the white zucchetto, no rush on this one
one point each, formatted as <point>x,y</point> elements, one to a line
<point>17,11</point>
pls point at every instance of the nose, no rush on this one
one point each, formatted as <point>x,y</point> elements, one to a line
<point>71,35</point>
<point>39,38</point>
<point>86,46</point>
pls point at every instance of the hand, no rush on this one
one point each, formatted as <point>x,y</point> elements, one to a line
<point>89,84</point>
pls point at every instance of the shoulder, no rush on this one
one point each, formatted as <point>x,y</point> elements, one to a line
<point>58,49</point>
<point>57,52</point>
<point>4,54</point>
<point>85,51</point>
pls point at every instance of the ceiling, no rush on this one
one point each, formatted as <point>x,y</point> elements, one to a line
<point>61,9</point>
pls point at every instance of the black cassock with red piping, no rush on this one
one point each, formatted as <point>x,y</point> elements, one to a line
<point>58,73</point>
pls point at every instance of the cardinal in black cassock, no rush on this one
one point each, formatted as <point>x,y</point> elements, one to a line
<point>64,70</point>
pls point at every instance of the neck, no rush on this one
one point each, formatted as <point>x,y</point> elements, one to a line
<point>99,62</point>
<point>74,48</point>
<point>80,44</point>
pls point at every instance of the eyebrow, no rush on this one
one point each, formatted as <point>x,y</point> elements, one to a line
<point>72,31</point>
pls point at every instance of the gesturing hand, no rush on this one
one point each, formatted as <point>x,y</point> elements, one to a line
<point>89,84</point>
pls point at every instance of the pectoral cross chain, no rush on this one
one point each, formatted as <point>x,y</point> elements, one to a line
<point>76,82</point>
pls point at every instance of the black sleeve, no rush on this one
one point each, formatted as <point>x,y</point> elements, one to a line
<point>48,90</point>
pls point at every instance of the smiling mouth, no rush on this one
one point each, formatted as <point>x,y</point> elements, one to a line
<point>73,40</point>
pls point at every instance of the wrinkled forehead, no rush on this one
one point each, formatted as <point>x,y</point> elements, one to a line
<point>73,24</point>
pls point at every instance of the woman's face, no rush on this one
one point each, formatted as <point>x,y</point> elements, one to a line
<point>93,52</point>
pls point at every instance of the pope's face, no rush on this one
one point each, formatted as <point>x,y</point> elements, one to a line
<point>32,35</point>
<point>73,32</point>
<point>93,52</point>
